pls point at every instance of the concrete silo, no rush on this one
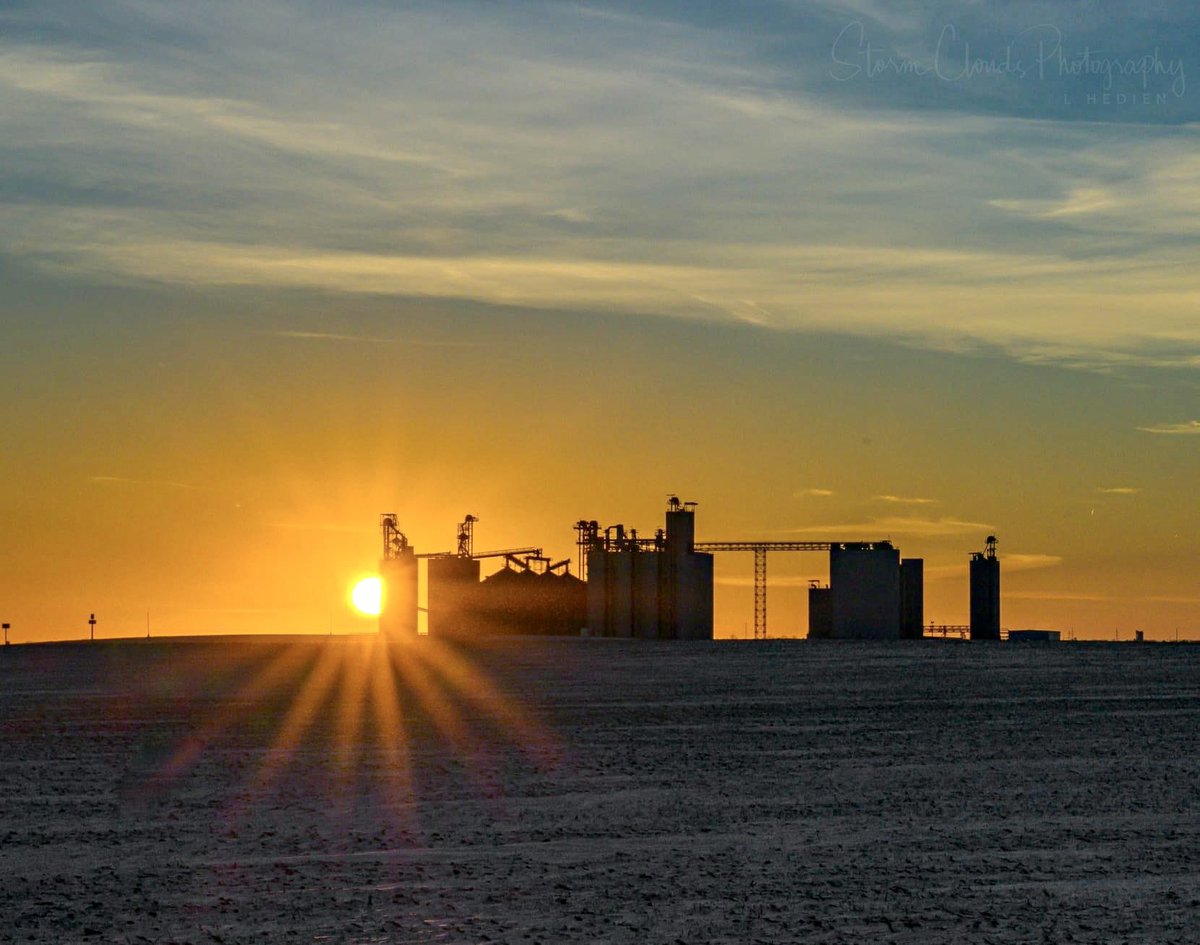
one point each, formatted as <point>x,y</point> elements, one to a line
<point>452,589</point>
<point>686,604</point>
<point>647,576</point>
<point>610,583</point>
<point>820,611</point>
<point>398,574</point>
<point>864,578</point>
<point>912,598</point>
<point>985,593</point>
<point>649,588</point>
<point>519,600</point>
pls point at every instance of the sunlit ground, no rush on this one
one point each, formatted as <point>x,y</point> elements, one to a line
<point>348,706</point>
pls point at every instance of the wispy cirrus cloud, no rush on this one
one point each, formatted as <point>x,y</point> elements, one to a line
<point>1186,428</point>
<point>890,526</point>
<point>904,500</point>
<point>1118,490</point>
<point>814,493</point>
<point>1080,201</point>
<point>656,175</point>
<point>1030,562</point>
<point>1011,564</point>
<point>1124,598</point>
<point>1065,596</point>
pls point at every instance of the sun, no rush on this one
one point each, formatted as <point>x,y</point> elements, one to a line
<point>367,596</point>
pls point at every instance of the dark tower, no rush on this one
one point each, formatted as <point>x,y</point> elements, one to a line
<point>652,588</point>
<point>864,578</point>
<point>820,611</point>
<point>398,571</point>
<point>685,609</point>
<point>912,598</point>
<point>985,593</point>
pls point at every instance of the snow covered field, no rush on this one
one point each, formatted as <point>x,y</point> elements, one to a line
<point>328,790</point>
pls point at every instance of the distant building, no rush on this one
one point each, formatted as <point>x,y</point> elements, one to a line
<point>1034,636</point>
<point>659,588</point>
<point>398,579</point>
<point>398,607</point>
<point>520,599</point>
<point>872,595</point>
<point>985,593</point>
<point>864,581</point>
<point>820,611</point>
<point>452,587</point>
<point>912,598</point>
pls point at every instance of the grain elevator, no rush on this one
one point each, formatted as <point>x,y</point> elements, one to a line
<point>985,592</point>
<point>658,588</point>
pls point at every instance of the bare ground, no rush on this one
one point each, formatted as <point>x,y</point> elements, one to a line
<point>331,790</point>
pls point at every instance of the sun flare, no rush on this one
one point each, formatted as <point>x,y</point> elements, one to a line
<point>367,596</point>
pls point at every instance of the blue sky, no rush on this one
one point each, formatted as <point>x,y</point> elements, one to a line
<point>672,158</point>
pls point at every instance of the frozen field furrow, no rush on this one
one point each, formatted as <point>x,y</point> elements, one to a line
<point>330,790</point>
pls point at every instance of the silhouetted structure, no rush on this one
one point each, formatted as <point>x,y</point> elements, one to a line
<point>912,598</point>
<point>398,572</point>
<point>659,588</point>
<point>628,578</point>
<point>820,611</point>
<point>451,590</point>
<point>864,579</point>
<point>530,596</point>
<point>985,593</point>
<point>1034,636</point>
<point>466,537</point>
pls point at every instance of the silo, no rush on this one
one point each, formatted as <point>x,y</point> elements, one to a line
<point>597,592</point>
<point>686,578</point>
<point>619,604</point>
<point>571,603</point>
<point>646,567</point>
<point>820,612</point>
<point>692,597</point>
<point>502,604</point>
<point>864,579</point>
<point>681,526</point>
<point>660,588</point>
<point>535,605</point>
<point>912,598</point>
<point>985,593</point>
<point>398,616</point>
<point>453,586</point>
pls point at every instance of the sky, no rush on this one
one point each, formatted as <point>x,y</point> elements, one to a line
<point>838,269</point>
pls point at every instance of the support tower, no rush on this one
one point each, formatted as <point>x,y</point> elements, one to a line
<point>985,593</point>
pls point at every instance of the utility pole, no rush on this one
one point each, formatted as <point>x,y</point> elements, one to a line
<point>6,634</point>
<point>92,625</point>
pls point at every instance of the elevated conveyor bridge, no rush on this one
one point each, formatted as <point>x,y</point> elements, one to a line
<point>760,549</point>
